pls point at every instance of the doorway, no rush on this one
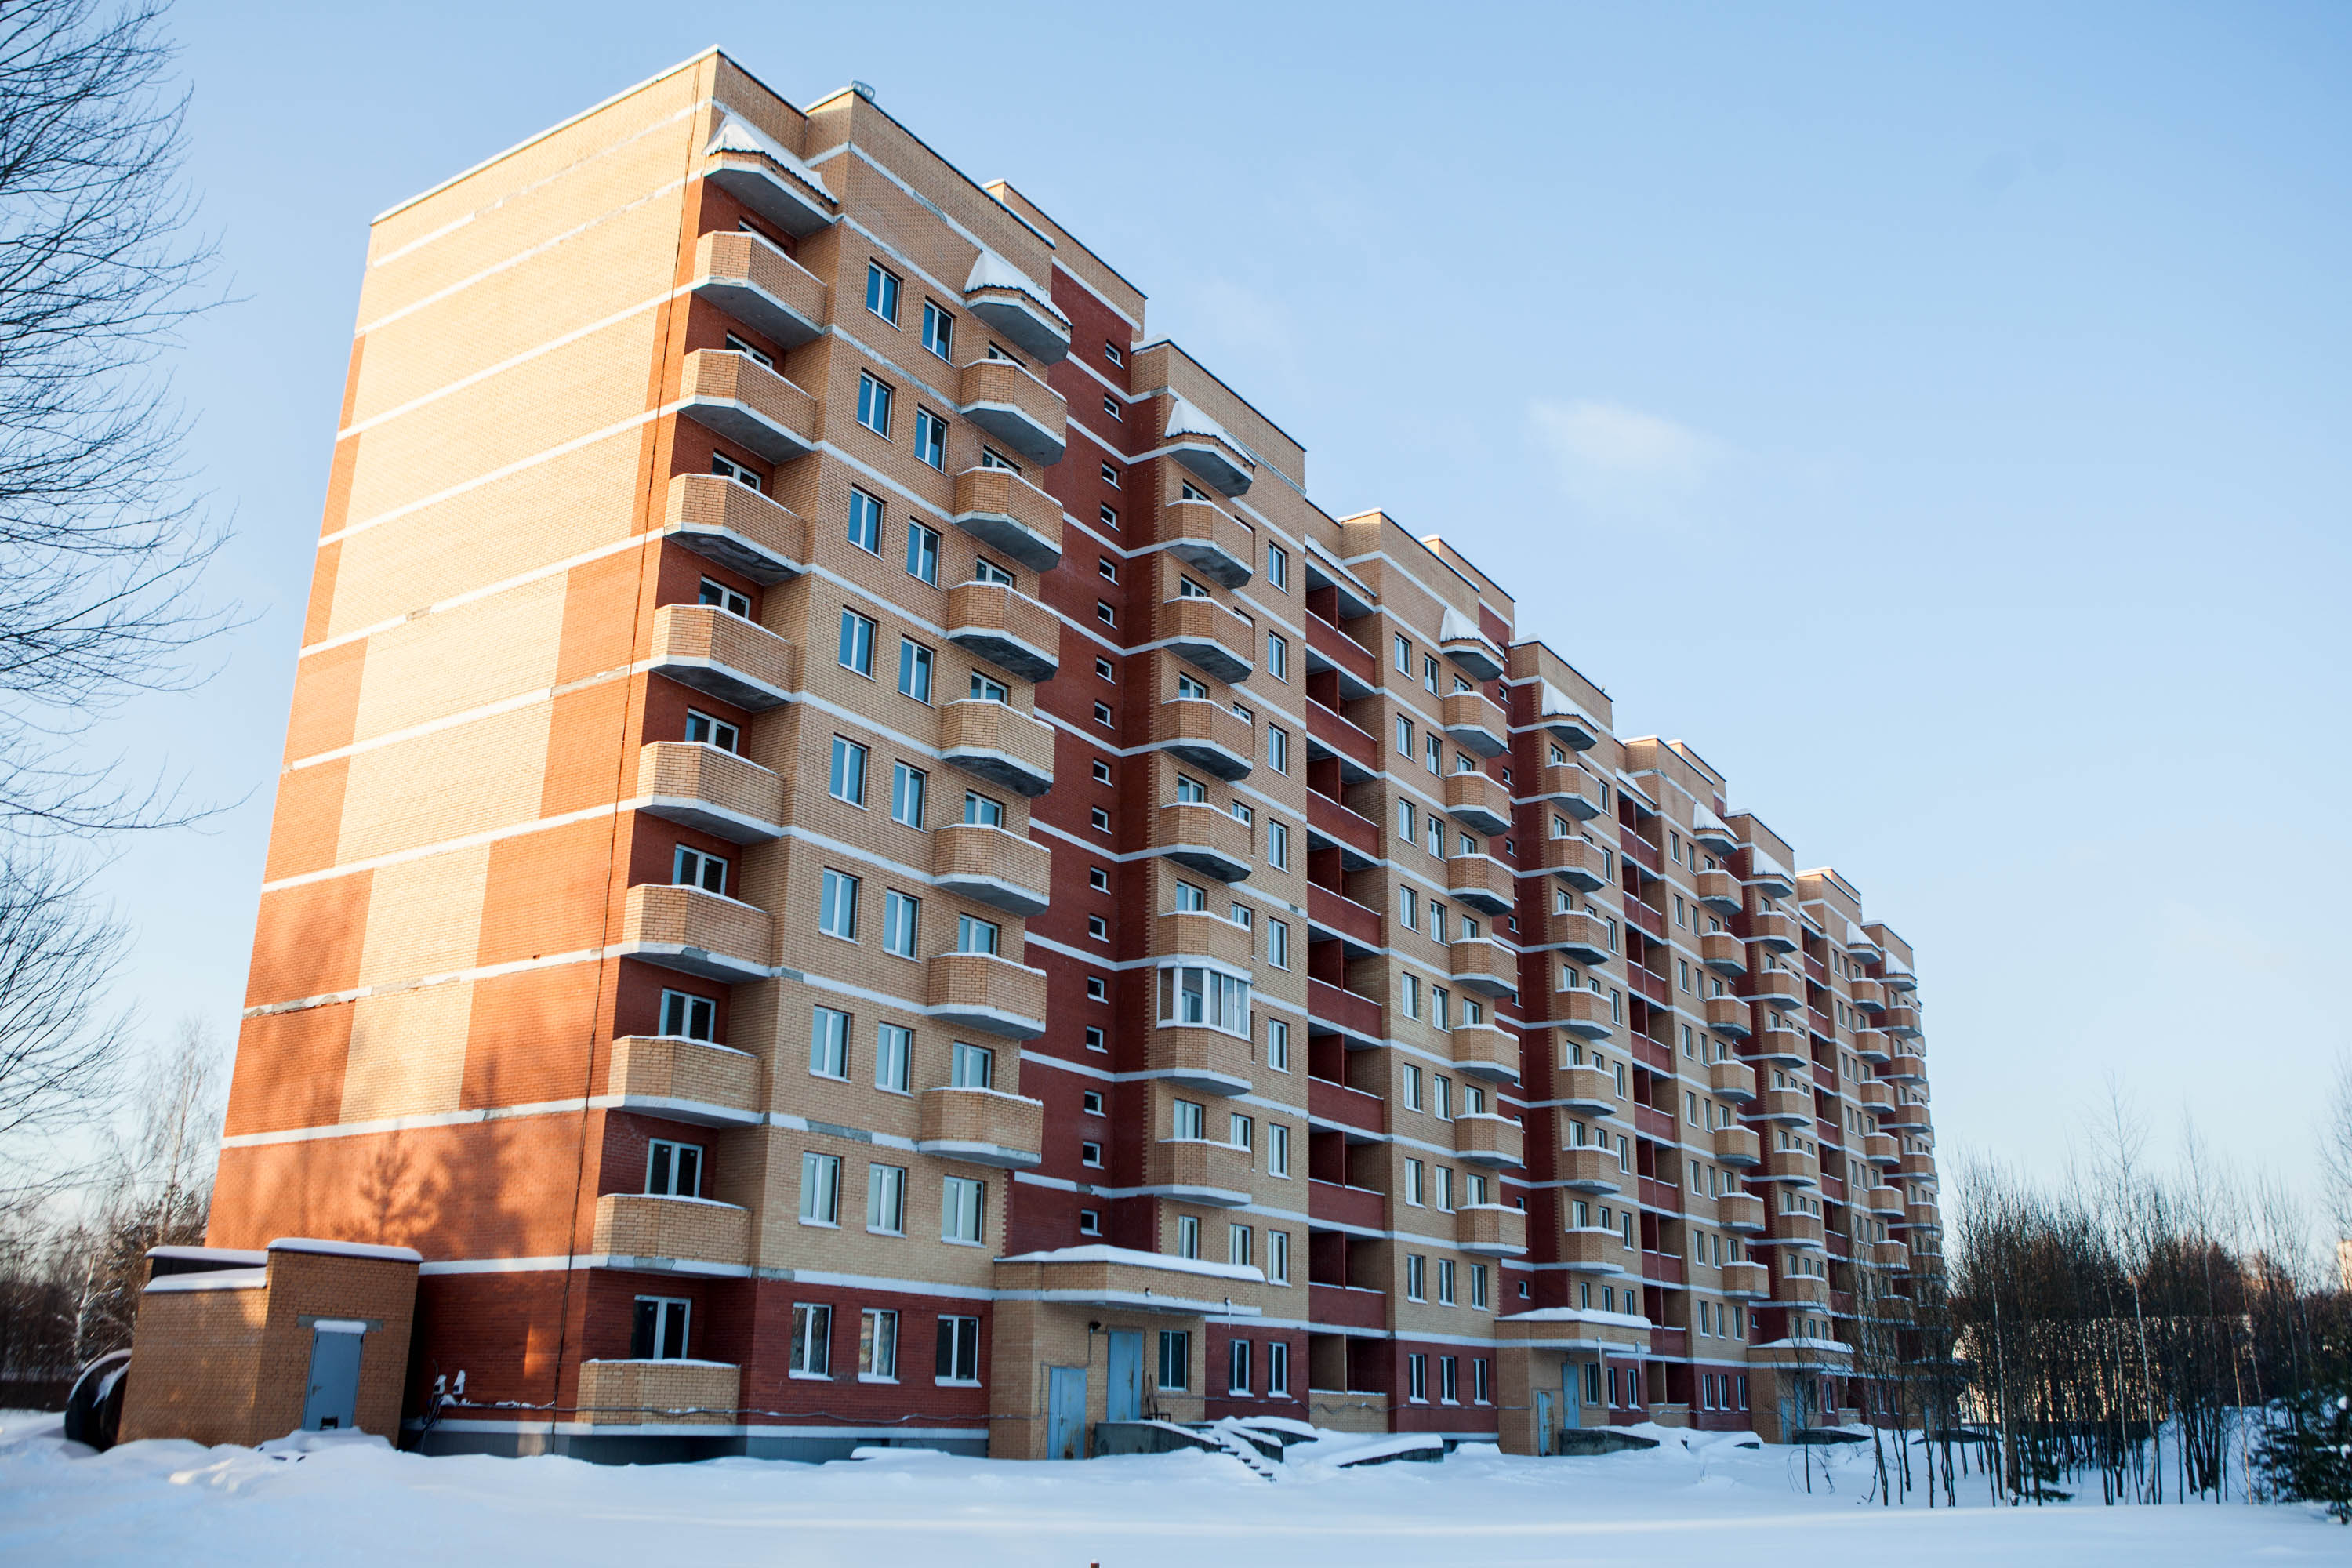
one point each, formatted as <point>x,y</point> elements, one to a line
<point>1123,1401</point>
<point>1066,1413</point>
<point>331,1402</point>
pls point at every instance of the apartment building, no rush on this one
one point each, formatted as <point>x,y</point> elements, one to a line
<point>857,862</point>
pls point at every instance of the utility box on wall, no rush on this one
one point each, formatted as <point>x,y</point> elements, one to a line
<point>241,1347</point>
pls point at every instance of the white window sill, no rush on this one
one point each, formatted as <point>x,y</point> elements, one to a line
<point>812,1377</point>
<point>821,1224</point>
<point>870,1377</point>
<point>876,1230</point>
<point>959,1241</point>
<point>955,1381</point>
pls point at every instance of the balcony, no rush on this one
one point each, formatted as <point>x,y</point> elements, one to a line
<point>1334,1009</point>
<point>1016,309</point>
<point>1777,988</point>
<point>1338,1106</point>
<point>1591,1249</point>
<point>1803,1290</point>
<point>1742,1212</point>
<point>1578,935</point>
<point>1018,410</point>
<point>1903,1023</point>
<point>1207,1060</point>
<point>992,866</point>
<point>1920,1217</point>
<point>1206,838</point>
<point>1904,1068</point>
<point>1330,735</point>
<point>1720,891</point>
<point>659,1232</point>
<point>734,395</point>
<point>756,170</point>
<point>684,1080</point>
<point>1767,876</point>
<point>1335,1307</point>
<point>1727,1016</point>
<point>1587,1088</point>
<point>1736,1146</point>
<point>1890,1254</point>
<point>1773,932</point>
<point>1335,916</point>
<point>1197,933</point>
<point>1575,861</point>
<point>1484,965</point>
<point>1482,882</point>
<point>1479,802</point>
<point>1868,995</point>
<point>1875,1094</point>
<point>998,742</point>
<point>1475,723</point>
<point>1203,631</point>
<point>1209,540</point>
<point>696,933</point>
<point>760,285</point>
<point>1584,1013</point>
<point>988,994</point>
<point>1791,1166</point>
<point>1886,1203</point>
<point>1908,1115</point>
<point>738,661</point>
<point>712,791</point>
<point>1193,1170</point>
<point>1206,449</point>
<point>1006,627</point>
<point>1482,1050</point>
<point>1591,1169</point>
<point>1483,1137</point>
<point>1801,1232</point>
<point>1733,1080</point>
<point>1460,639</point>
<point>1493,1230</point>
<point>981,1127</point>
<point>1873,1045</point>
<point>1916,1165</point>
<point>1331,824</point>
<point>1209,735</point>
<point>658,1393</point>
<point>1724,953</point>
<point>1569,789</point>
<point>1794,1106</point>
<point>1746,1282</point>
<point>1328,1203</point>
<point>1010,515</point>
<point>736,527</point>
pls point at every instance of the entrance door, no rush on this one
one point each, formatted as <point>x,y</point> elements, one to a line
<point>1543,1422</point>
<point>1124,1399</point>
<point>1572,1397</point>
<point>1066,1413</point>
<point>332,1403</point>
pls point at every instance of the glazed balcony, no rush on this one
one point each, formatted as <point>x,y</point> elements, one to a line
<point>1747,1282</point>
<point>1484,965</point>
<point>1475,723</point>
<point>1209,1061</point>
<point>653,1231</point>
<point>1569,790</point>
<point>696,933</point>
<point>1479,802</point>
<point>734,395</point>
<point>1484,1051</point>
<point>736,527</point>
<point>998,742</point>
<point>1720,891</point>
<point>1590,1250</point>
<point>1491,1230</point>
<point>1203,837</point>
<point>1903,1023</point>
<point>1588,1088</point>
<point>1006,627</point>
<point>1727,1016</point>
<point>1591,1169</point>
<point>761,174</point>
<point>1335,916</point>
<point>1867,995</point>
<point>1791,1166</point>
<point>1210,540</point>
<point>736,660</point>
<point>1193,1170</point>
<point>1886,1203</point>
<point>1204,633</point>
<point>1485,1138</point>
<point>1777,988</point>
<point>1873,1045</point>
<point>1584,1013</point>
<point>1010,515</point>
<point>1742,1212</point>
<point>1576,933</point>
<point>992,866</point>
<point>1793,1106</point>
<point>1731,1081</point>
<point>1197,933</point>
<point>684,1080</point>
<point>1773,932</point>
<point>712,791</point>
<point>1724,953</point>
<point>987,992</point>
<point>981,1127</point>
<point>1207,734</point>
<point>1482,882</point>
<point>1575,861</point>
<point>663,1393</point>
<point>1331,824</point>
<point>1015,410</point>
<point>748,278</point>
<point>1904,1068</point>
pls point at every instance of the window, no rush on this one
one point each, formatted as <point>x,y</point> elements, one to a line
<point>1090,1153</point>
<point>939,329</point>
<point>687,1016</point>
<point>1188,1236</point>
<point>728,468</point>
<point>1429,671</point>
<point>1416,1178</point>
<point>1175,1360</point>
<point>820,1189</point>
<point>1188,1122</point>
<point>1403,736</point>
<point>886,1199</point>
<point>1449,1385</point>
<point>1278,657</point>
<point>961,1200</point>
<point>1277,567</point>
<point>736,345</point>
<point>848,781</point>
<point>1110,406</point>
<point>923,554</point>
<point>959,1352</point>
<point>1417,1378</point>
<point>1412,1076</point>
<point>673,1170</point>
<point>1097,928</point>
<point>703,729</point>
<point>878,1346</point>
<point>1100,818</point>
<point>900,915</point>
<point>866,524</point>
<point>659,1331</point>
<point>1110,516</point>
<point>1098,990</point>
<point>1444,1277</point>
<point>829,1043</point>
<point>1241,1131</point>
<point>811,1341</point>
<point>1411,987</point>
<point>1278,1044</point>
<point>894,1051</point>
<point>1478,1291</point>
<point>1482,1387</point>
<point>882,293</point>
<point>1240,1250</point>
<point>1106,568</point>
<point>1404,655</point>
<point>914,670</point>
<point>1277,1149</point>
<point>909,787</point>
<point>1102,717</point>
<point>1089,1222</point>
<point>873,405</point>
<point>971,1066</point>
<point>857,649</point>
<point>1104,614</point>
<point>721,597</point>
<point>930,437</point>
<point>1237,1367</point>
<point>1277,943</point>
<point>694,869</point>
<point>1101,769</point>
<point>1098,879</point>
<point>1111,476</point>
<point>976,935</point>
<point>984,570</point>
<point>1191,993</point>
<point>837,906</point>
<point>1277,749</point>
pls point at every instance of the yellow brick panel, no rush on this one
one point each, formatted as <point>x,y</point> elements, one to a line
<point>423,916</point>
<point>409,1053</point>
<point>462,658</point>
<point>446,784</point>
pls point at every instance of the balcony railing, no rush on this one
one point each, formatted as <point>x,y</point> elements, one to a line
<point>1583,1012</point>
<point>1494,1230</point>
<point>734,395</point>
<point>1591,1249</point>
<point>1007,513</point>
<point>1334,1008</point>
<point>981,1127</point>
<point>1777,988</point>
<point>1015,407</point>
<point>657,1231</point>
<point>760,285</point>
<point>1204,633</point>
<point>1736,1146</point>
<point>737,660</point>
<point>1569,789</point>
<point>1482,1050</point>
<point>684,1080</point>
<point>1903,1023</point>
<point>1197,933</point>
<point>1880,1150</point>
<point>1742,1212</point>
<point>1193,1170</point>
<point>1868,995</point>
<point>1592,1168</point>
<point>1330,734</point>
<point>1576,932</point>
<point>1335,915</point>
<point>712,791</point>
<point>1475,723</point>
<point>1347,1307</point>
<point>986,992</point>
<point>1482,882</point>
<point>1358,838</point>
<point>696,933</point>
<point>1207,734</point>
<point>1873,1045</point>
<point>1210,540</point>
<point>1727,1016</point>
<point>1791,1166</point>
<point>736,527</point>
<point>1328,1203</point>
<point>1013,307</point>
<point>1207,1060</point>
<point>1479,802</point>
<point>1722,952</point>
<point>1475,652</point>
<point>1207,838</point>
<point>1720,891</point>
<point>1790,1105</point>
<point>1905,1067</point>
<point>1746,1281</point>
<point>1774,931</point>
<point>1588,1088</point>
<point>1886,1203</point>
<point>1008,628</point>
<point>998,742</point>
<point>1340,1106</point>
<point>1575,861</point>
<point>658,1393</point>
<point>1485,1138</point>
<point>781,189</point>
<point>1732,1080</point>
<point>992,866</point>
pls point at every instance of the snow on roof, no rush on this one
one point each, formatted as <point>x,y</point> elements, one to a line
<point>1183,419</point>
<point>211,1280</point>
<point>222,1254</point>
<point>1552,702</point>
<point>1455,626</point>
<point>1578,1315</point>
<point>1702,817</point>
<point>993,271</point>
<point>737,134</point>
<point>346,1248</point>
<point>1134,1259</point>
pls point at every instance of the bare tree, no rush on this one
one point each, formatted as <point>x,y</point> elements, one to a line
<point>60,1043</point>
<point>2336,1149</point>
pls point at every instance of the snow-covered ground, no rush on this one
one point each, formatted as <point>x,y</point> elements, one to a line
<point>1711,1502</point>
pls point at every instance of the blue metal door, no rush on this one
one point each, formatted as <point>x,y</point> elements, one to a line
<point>332,1403</point>
<point>1124,1399</point>
<point>1543,1422</point>
<point>1066,1413</point>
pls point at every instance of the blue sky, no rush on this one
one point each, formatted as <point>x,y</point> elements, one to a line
<point>1939,420</point>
